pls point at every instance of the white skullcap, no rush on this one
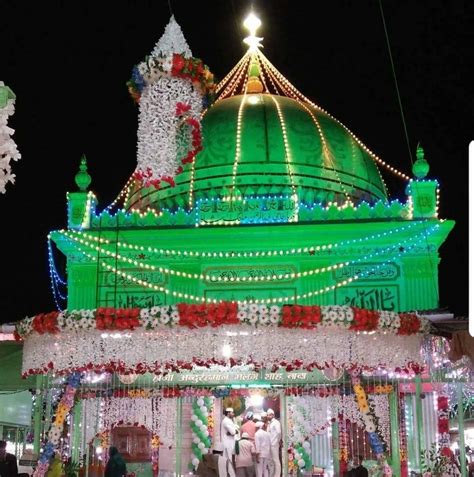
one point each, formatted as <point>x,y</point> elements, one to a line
<point>259,424</point>
<point>270,411</point>
<point>264,414</point>
<point>245,435</point>
<point>229,409</point>
<point>257,416</point>
<point>218,447</point>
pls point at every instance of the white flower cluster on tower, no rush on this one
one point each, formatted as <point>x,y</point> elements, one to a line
<point>172,41</point>
<point>169,86</point>
<point>8,148</point>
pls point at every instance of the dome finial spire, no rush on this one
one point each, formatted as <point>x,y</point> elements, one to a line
<point>252,23</point>
<point>420,167</point>
<point>82,178</point>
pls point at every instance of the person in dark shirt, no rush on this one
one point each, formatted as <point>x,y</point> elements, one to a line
<point>8,465</point>
<point>116,466</point>
<point>358,470</point>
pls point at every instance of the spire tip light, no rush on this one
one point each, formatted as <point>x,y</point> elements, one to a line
<point>252,23</point>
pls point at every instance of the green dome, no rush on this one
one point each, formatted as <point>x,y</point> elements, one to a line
<point>321,161</point>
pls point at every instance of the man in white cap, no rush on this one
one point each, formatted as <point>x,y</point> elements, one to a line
<point>263,447</point>
<point>274,429</point>
<point>244,453</point>
<point>228,434</point>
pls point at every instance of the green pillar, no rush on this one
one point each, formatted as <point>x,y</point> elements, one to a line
<point>37,415</point>
<point>335,448</point>
<point>76,433</point>
<point>394,433</point>
<point>419,418</point>
<point>284,422</point>
<point>462,444</point>
<point>179,434</point>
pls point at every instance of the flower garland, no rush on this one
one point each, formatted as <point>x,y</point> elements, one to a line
<point>368,417</point>
<point>402,436</point>
<point>56,429</point>
<point>200,431</point>
<point>343,446</point>
<point>171,87</point>
<point>444,439</point>
<point>271,347</point>
<point>224,313</point>
<point>8,148</point>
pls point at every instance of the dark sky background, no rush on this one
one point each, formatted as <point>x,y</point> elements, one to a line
<point>68,61</point>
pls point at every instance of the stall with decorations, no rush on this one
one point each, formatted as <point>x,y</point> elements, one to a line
<point>253,260</point>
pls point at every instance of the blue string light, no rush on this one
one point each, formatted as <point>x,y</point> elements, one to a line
<point>55,278</point>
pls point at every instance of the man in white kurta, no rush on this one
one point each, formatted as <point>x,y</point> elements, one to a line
<point>274,429</point>
<point>263,447</point>
<point>228,435</point>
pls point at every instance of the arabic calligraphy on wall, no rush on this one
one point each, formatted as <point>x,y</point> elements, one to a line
<point>220,274</point>
<point>368,271</point>
<point>246,211</point>
<point>379,297</point>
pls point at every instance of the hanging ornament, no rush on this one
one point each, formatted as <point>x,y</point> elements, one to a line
<point>171,88</point>
<point>8,149</point>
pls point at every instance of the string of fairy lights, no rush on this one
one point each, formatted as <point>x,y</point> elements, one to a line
<point>323,247</point>
<point>288,159</point>
<point>403,247</point>
<point>206,277</point>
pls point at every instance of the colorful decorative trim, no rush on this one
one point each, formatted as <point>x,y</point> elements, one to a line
<point>177,66</point>
<point>193,316</point>
<point>368,417</point>
<point>56,429</point>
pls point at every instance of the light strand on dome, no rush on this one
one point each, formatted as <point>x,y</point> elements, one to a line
<point>288,158</point>
<point>327,153</point>
<point>233,84</point>
<point>264,73</point>
<point>201,276</point>
<point>238,141</point>
<point>55,279</point>
<point>303,296</point>
<point>303,98</point>
<point>191,186</point>
<point>224,81</point>
<point>122,193</point>
<point>253,254</point>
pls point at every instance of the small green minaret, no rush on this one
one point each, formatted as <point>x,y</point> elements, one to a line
<point>82,203</point>
<point>421,190</point>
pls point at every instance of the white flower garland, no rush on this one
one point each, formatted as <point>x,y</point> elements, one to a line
<point>8,148</point>
<point>158,122</point>
<point>382,412</point>
<point>156,414</point>
<point>154,350</point>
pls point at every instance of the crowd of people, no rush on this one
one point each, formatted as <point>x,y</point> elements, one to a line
<point>253,450</point>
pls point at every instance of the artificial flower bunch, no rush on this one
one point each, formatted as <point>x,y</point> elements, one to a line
<point>367,417</point>
<point>197,316</point>
<point>443,422</point>
<point>55,432</point>
<point>224,313</point>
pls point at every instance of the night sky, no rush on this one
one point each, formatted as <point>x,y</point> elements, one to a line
<point>68,63</point>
